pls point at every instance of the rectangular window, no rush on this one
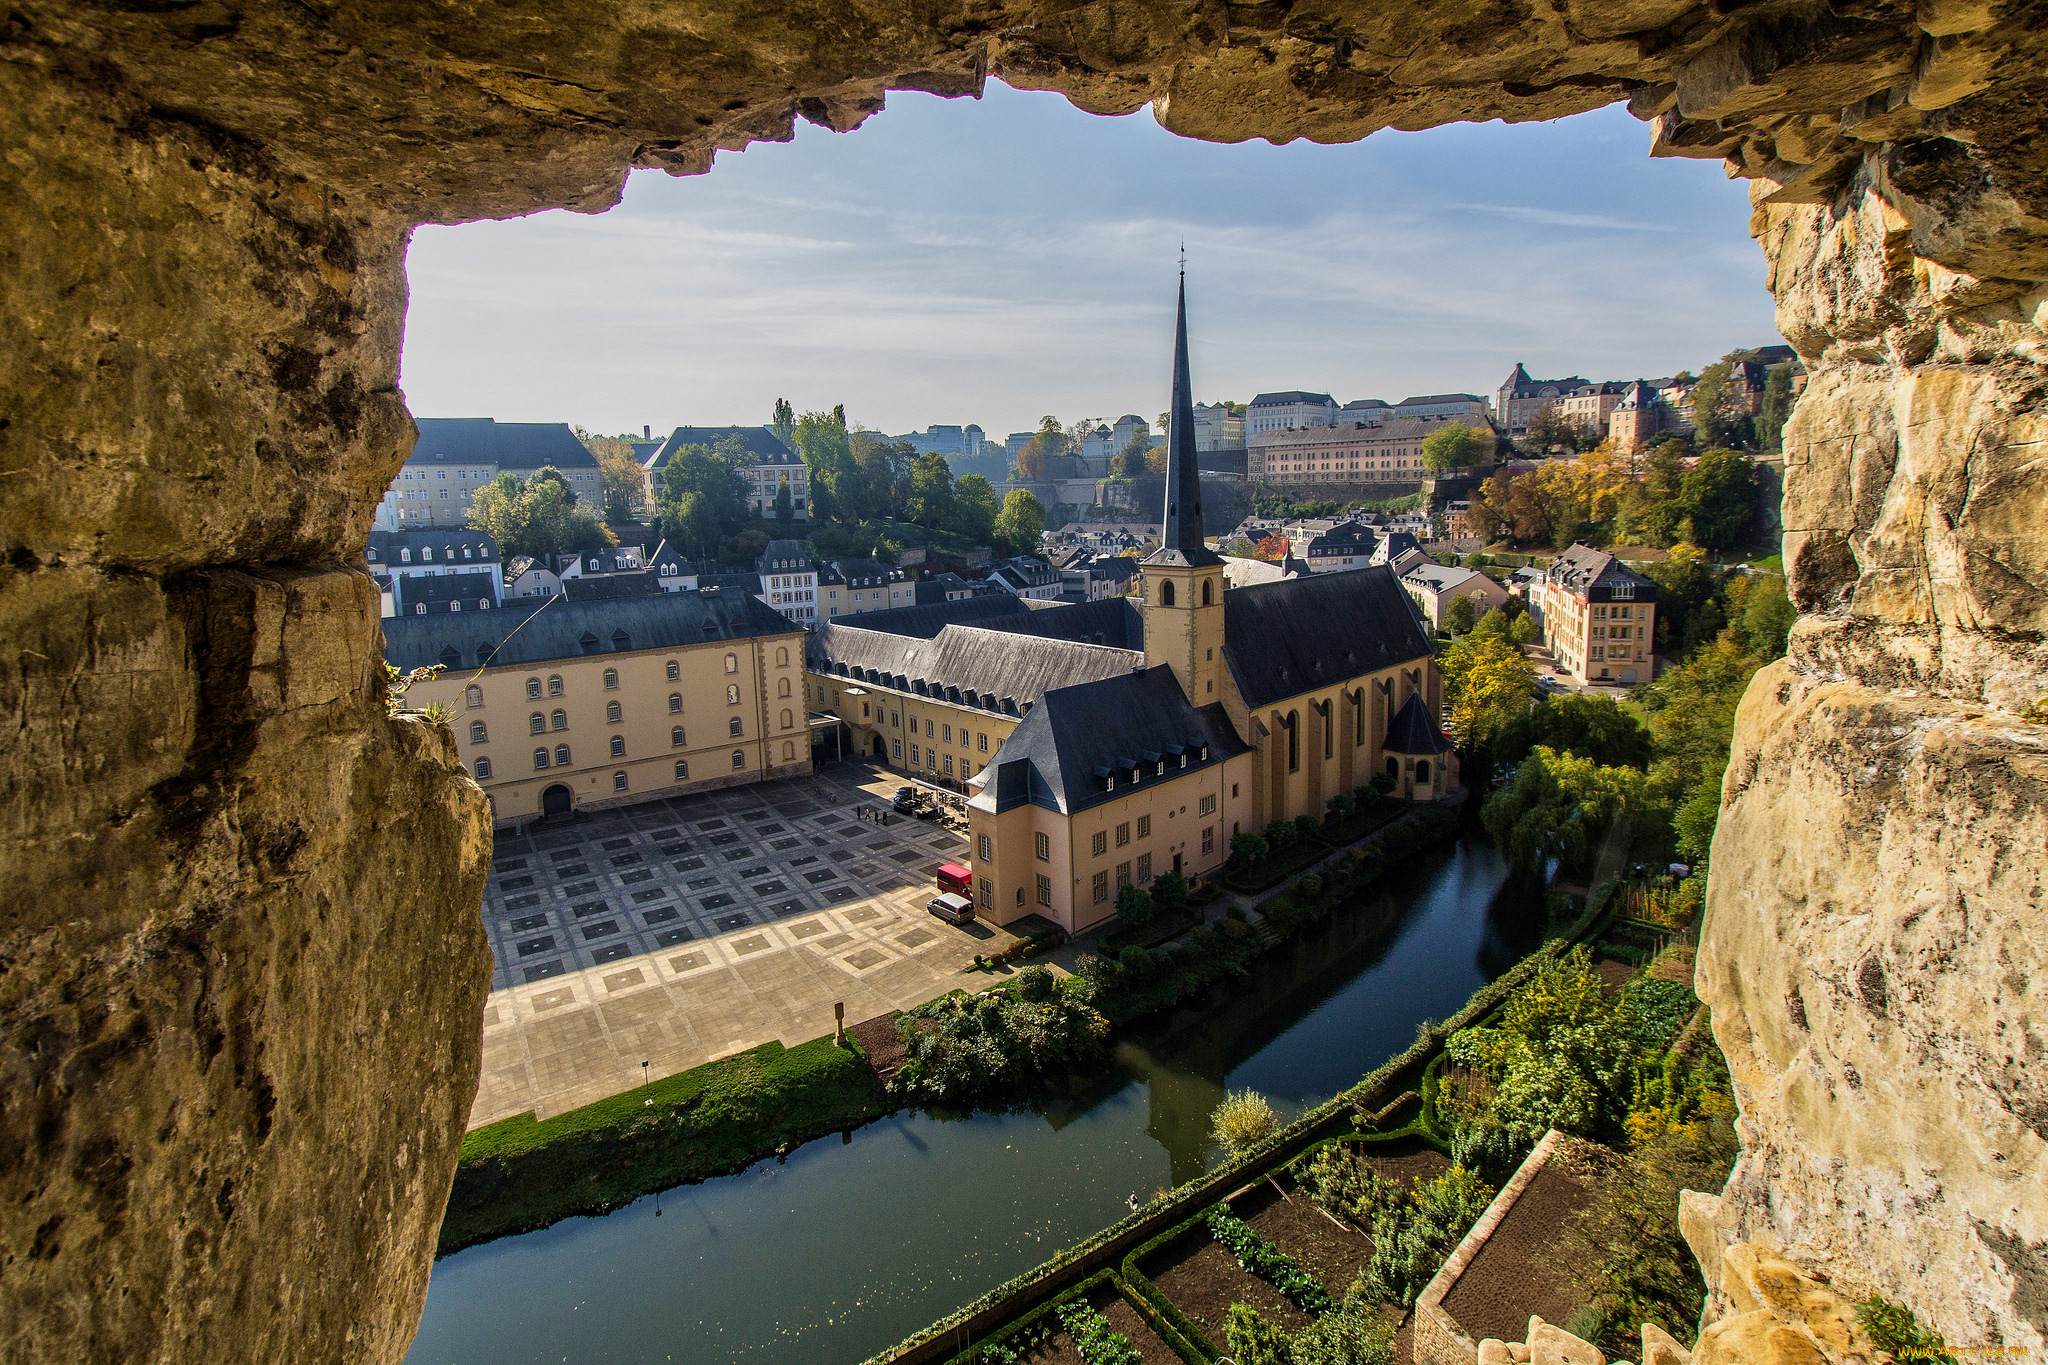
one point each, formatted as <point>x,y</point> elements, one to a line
<point>1123,875</point>
<point>1144,868</point>
<point>1045,891</point>
<point>981,743</point>
<point>913,755</point>
<point>1101,887</point>
<point>949,765</point>
<point>1144,827</point>
<point>1123,834</point>
<point>1206,806</point>
<point>1099,845</point>
<point>988,894</point>
<point>1208,839</point>
<point>948,733</point>
<point>985,856</point>
<point>896,749</point>
<point>1044,848</point>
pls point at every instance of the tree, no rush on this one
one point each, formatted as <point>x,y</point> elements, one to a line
<point>1524,631</point>
<point>1455,446</point>
<point>1489,684</point>
<point>1021,522</point>
<point>1461,616</point>
<point>1133,907</point>
<point>823,444</point>
<point>784,422</point>
<point>537,517</point>
<point>1719,496</point>
<point>931,491</point>
<point>1131,461</point>
<point>702,497</point>
<point>625,482</point>
<point>1688,606</point>
<point>1774,408</point>
<point>1559,806</point>
<point>1763,614</point>
<point>1581,723</point>
<point>974,508</point>
<point>1272,548</point>
<point>785,508</point>
<point>1551,429</point>
<point>1050,441</point>
<point>1717,413</point>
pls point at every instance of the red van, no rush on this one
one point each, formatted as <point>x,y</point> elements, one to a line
<point>956,879</point>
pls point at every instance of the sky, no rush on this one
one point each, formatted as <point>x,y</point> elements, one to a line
<point>997,260</point>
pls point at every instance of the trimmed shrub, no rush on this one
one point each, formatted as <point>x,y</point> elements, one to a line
<point>1133,907</point>
<point>1280,835</point>
<point>1034,984</point>
<point>1307,826</point>
<point>1243,1121</point>
<point>1250,849</point>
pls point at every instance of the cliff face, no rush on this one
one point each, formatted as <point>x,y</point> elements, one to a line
<point>240,966</point>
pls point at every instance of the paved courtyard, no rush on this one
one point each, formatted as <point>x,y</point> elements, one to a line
<point>683,930</point>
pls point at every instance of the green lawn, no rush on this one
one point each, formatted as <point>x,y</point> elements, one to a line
<point>522,1173</point>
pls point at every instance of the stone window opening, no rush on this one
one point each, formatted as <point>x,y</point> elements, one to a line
<point>473,697</point>
<point>732,663</point>
<point>611,680</point>
<point>732,694</point>
<point>618,782</point>
<point>736,727</point>
<point>682,770</point>
<point>537,724</point>
<point>478,734</point>
<point>483,770</point>
<point>675,703</point>
<point>675,737</point>
<point>675,670</point>
<point>554,684</point>
<point>561,720</point>
<point>613,714</point>
<point>739,759</point>
<point>618,746</point>
<point>561,755</point>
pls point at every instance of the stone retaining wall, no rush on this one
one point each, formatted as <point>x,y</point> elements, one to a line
<point>1438,1338</point>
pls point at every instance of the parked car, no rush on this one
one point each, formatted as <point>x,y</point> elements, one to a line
<point>953,909</point>
<point>907,800</point>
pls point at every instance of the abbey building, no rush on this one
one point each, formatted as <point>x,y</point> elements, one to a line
<point>1108,743</point>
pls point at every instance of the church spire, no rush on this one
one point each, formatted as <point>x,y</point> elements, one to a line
<point>1183,529</point>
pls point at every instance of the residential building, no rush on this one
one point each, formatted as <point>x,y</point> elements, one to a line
<point>1388,453</point>
<point>854,587</point>
<point>789,581</point>
<point>1435,586</point>
<point>1591,406</point>
<point>1457,519</point>
<point>1520,398</point>
<point>1126,427</point>
<point>675,573</point>
<point>1600,618</point>
<point>527,576</point>
<point>1468,408</point>
<point>609,703</point>
<point>1344,546</point>
<point>768,466</point>
<point>608,586</point>
<point>1094,577</point>
<point>1217,427</point>
<point>1649,408</point>
<point>965,442</point>
<point>1015,442</point>
<point>1246,573</point>
<point>1289,411</point>
<point>421,553</point>
<point>616,559</point>
<point>455,456</point>
<point>1365,411</point>
<point>1027,577</point>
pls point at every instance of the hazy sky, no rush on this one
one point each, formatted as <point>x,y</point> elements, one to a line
<point>991,261</point>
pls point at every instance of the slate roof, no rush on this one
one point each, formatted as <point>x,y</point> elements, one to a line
<point>1245,573</point>
<point>470,589</point>
<point>1440,578</point>
<point>1282,639</point>
<point>1587,572</point>
<point>760,442</point>
<point>1392,546</point>
<point>1411,731</point>
<point>1112,621</point>
<point>860,573</point>
<point>383,546</point>
<point>998,671</point>
<point>562,629</point>
<point>1421,398</point>
<point>1275,400</point>
<point>1345,538</point>
<point>509,445</point>
<point>784,556</point>
<point>924,622</point>
<point>1124,727</point>
<point>636,584</point>
<point>1024,573</point>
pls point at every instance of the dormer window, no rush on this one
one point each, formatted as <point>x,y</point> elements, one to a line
<point>405,556</point>
<point>426,554</point>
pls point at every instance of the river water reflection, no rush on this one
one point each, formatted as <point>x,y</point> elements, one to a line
<point>849,1245</point>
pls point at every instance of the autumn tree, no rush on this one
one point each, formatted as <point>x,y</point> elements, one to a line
<point>1489,684</point>
<point>1050,441</point>
<point>1454,446</point>
<point>1718,498</point>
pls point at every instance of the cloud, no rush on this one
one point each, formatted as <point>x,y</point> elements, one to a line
<point>991,261</point>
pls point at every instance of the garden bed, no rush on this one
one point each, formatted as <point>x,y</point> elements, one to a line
<point>1517,1273</point>
<point>1202,1280</point>
<point>1164,925</point>
<point>1059,1349</point>
<point>1333,1253</point>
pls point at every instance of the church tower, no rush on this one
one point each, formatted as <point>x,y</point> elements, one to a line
<point>1183,579</point>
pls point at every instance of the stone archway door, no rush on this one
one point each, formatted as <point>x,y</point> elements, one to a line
<point>557,800</point>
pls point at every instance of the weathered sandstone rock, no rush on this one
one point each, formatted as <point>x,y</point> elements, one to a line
<point>241,962</point>
<point>1661,1348</point>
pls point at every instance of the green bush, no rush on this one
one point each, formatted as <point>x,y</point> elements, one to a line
<point>958,1047</point>
<point>1169,891</point>
<point>1342,805</point>
<point>1250,849</point>
<point>1411,1239</point>
<point>1133,907</point>
<point>1255,1339</point>
<point>1346,1186</point>
<point>1243,1120</point>
<point>1351,1334</point>
<point>1280,835</point>
<point>1307,827</point>
<point>1893,1327</point>
<point>1035,984</point>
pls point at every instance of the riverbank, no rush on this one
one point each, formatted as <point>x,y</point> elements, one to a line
<point>520,1174</point>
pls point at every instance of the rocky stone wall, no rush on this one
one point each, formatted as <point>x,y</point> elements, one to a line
<point>240,967</point>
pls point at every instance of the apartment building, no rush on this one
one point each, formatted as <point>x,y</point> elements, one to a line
<point>1435,586</point>
<point>789,580</point>
<point>1591,406</point>
<point>1345,546</point>
<point>855,587</point>
<point>421,553</point>
<point>1390,452</point>
<point>1600,618</point>
<point>609,703</point>
<point>1468,408</point>
<point>455,456</point>
<point>1519,398</point>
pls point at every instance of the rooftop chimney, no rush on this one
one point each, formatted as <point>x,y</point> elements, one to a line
<point>647,432</point>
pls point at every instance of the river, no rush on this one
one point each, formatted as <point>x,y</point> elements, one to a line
<point>852,1243</point>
